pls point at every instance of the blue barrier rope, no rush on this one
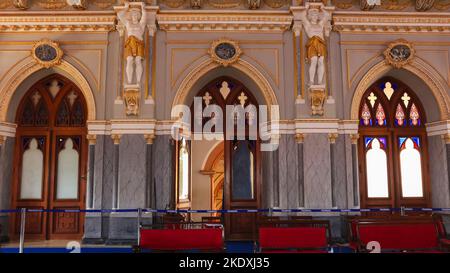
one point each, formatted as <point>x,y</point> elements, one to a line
<point>224,210</point>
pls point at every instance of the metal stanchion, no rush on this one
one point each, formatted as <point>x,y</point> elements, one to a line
<point>402,211</point>
<point>139,226</point>
<point>22,229</point>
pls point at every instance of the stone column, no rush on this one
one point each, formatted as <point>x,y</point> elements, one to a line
<point>115,198</point>
<point>298,37</point>
<point>91,171</point>
<point>149,185</point>
<point>355,179</point>
<point>300,174</point>
<point>152,34</point>
<point>332,138</point>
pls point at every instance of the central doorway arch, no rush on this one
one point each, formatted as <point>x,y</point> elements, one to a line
<point>50,159</point>
<point>241,155</point>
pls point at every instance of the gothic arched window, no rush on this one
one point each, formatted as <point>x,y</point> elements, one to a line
<point>392,147</point>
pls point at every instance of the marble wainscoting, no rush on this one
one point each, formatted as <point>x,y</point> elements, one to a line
<point>317,173</point>
<point>163,152</point>
<point>6,168</point>
<point>131,189</point>
<point>287,171</point>
<point>96,224</point>
<point>440,192</point>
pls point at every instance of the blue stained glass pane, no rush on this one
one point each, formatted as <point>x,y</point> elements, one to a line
<point>416,140</point>
<point>401,140</point>
<point>367,140</point>
<point>383,140</point>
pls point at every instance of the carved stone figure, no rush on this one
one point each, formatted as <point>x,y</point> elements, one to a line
<point>77,4</point>
<point>317,25</point>
<point>367,5</point>
<point>134,45</point>
<point>20,4</point>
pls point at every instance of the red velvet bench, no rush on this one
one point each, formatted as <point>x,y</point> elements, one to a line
<point>201,237</point>
<point>395,235</point>
<point>294,237</point>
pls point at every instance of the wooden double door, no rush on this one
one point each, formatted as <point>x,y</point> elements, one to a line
<point>50,160</point>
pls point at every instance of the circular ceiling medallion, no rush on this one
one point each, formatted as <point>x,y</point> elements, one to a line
<point>399,53</point>
<point>47,53</point>
<point>225,52</point>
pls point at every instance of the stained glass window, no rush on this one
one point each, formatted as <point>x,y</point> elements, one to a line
<point>399,115</point>
<point>365,115</point>
<point>380,115</point>
<point>414,115</point>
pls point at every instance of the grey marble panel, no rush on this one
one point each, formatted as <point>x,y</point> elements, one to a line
<point>106,179</point>
<point>6,169</point>
<point>282,172</point>
<point>132,171</point>
<point>291,171</point>
<point>317,171</point>
<point>267,179</point>
<point>163,171</point>
<point>438,172</point>
<point>340,183</point>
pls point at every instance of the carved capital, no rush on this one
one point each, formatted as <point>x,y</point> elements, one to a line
<point>354,138</point>
<point>299,138</point>
<point>92,139</point>
<point>149,138</point>
<point>332,138</point>
<point>446,138</point>
<point>2,140</point>
<point>116,139</point>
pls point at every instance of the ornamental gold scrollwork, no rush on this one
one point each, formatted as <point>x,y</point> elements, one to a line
<point>275,4</point>
<point>173,3</point>
<point>104,4</point>
<point>47,53</point>
<point>5,4</point>
<point>52,4</point>
<point>395,4</point>
<point>399,53</point>
<point>225,51</point>
<point>224,4</point>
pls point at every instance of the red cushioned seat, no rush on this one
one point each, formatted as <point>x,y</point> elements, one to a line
<point>182,239</point>
<point>400,236</point>
<point>293,239</point>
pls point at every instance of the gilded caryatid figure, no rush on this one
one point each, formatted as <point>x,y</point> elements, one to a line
<point>316,22</point>
<point>134,19</point>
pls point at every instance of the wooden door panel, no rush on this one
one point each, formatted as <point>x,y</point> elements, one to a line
<point>53,109</point>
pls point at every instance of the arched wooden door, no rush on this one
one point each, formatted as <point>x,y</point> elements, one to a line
<point>242,183</point>
<point>50,159</point>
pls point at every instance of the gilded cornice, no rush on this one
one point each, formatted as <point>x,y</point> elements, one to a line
<point>385,22</point>
<point>230,20</point>
<point>57,21</point>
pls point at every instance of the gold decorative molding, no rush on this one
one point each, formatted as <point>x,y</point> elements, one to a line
<point>131,97</point>
<point>229,59</point>
<point>215,20</point>
<point>317,97</point>
<point>28,66</point>
<point>203,68</point>
<point>116,138</point>
<point>173,3</point>
<point>354,138</point>
<point>52,4</point>
<point>418,67</point>
<point>57,21</point>
<point>398,60</point>
<point>225,4</point>
<point>299,138</point>
<point>104,4</point>
<point>275,4</point>
<point>332,138</point>
<point>149,138</point>
<point>390,22</point>
<point>92,139</point>
<point>43,50</point>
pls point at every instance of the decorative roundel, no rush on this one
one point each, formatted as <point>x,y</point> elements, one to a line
<point>399,53</point>
<point>47,53</point>
<point>225,52</point>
